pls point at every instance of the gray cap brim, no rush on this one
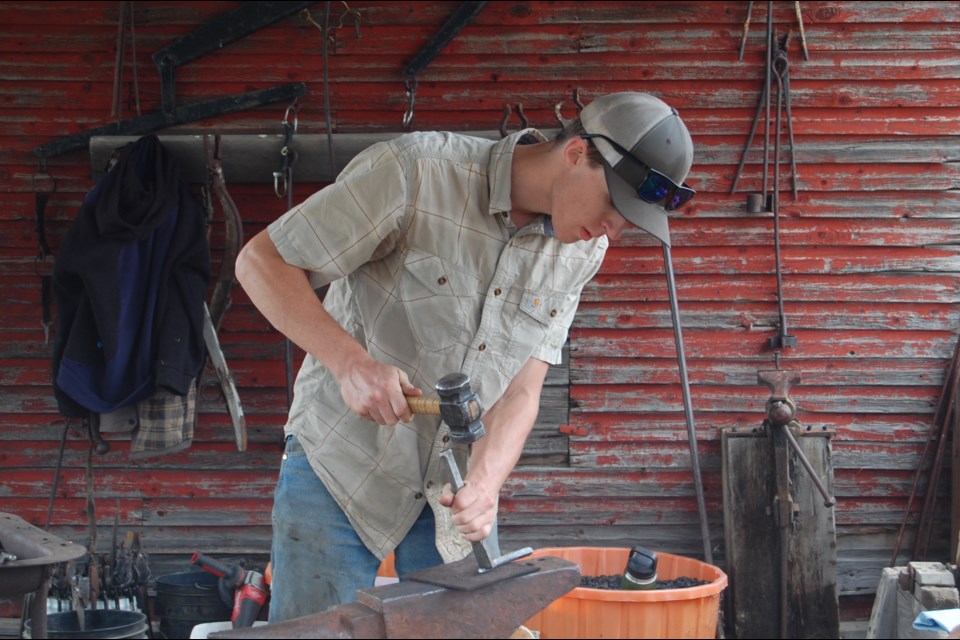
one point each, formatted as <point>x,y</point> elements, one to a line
<point>649,217</point>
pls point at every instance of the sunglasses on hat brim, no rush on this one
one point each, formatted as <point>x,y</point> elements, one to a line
<point>655,187</point>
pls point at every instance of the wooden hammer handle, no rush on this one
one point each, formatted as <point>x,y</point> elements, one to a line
<point>424,405</point>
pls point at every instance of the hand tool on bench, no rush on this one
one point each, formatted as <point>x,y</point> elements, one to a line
<point>459,406</point>
<point>469,605</point>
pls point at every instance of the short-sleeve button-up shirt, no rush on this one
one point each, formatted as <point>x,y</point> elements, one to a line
<point>429,274</point>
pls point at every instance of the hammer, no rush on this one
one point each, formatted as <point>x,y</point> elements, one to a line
<point>458,405</point>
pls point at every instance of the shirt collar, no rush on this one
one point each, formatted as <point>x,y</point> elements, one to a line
<point>501,160</point>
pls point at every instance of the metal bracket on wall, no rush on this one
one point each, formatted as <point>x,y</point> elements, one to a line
<point>229,27</point>
<point>460,18</point>
<point>222,30</point>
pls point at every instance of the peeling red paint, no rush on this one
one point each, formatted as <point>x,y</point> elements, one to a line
<point>868,261</point>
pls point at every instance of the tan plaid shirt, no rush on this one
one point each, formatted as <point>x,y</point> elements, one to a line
<point>429,273</point>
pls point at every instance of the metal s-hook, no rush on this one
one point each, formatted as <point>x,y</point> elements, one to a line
<point>576,100</point>
<point>353,15</point>
<point>294,108</point>
<point>289,129</point>
<point>329,32</point>
<point>507,111</point>
<point>411,86</point>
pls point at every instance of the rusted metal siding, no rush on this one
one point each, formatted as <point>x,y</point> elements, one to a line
<point>869,253</point>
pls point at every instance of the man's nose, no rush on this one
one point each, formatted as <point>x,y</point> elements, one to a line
<point>614,225</point>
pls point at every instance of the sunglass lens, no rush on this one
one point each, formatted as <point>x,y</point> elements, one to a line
<point>655,188</point>
<point>681,197</point>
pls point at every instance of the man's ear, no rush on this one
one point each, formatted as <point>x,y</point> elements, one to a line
<point>575,150</point>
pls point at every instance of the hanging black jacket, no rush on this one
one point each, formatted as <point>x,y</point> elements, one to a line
<point>129,282</point>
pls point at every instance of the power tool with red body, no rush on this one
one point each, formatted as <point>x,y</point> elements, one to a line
<point>249,588</point>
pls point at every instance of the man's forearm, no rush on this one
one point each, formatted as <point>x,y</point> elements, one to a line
<point>508,424</point>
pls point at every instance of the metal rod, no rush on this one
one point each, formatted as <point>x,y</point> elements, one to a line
<point>939,419</point>
<point>776,216</point>
<point>56,476</point>
<point>687,405</point>
<point>753,131</point>
<point>766,125</point>
<point>784,75</point>
<point>926,513</point>
<point>828,500</point>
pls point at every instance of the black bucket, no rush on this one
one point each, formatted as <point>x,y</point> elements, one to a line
<point>97,623</point>
<point>185,600</point>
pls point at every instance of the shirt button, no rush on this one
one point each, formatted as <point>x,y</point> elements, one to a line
<point>482,347</point>
<point>446,438</point>
<point>442,280</point>
<point>430,484</point>
<point>497,291</point>
<point>419,496</point>
<point>553,313</point>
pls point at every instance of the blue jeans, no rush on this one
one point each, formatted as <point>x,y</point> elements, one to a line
<point>317,559</point>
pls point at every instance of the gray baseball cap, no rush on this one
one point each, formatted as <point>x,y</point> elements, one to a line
<point>650,131</point>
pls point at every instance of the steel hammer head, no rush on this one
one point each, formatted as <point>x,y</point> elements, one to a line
<point>460,408</point>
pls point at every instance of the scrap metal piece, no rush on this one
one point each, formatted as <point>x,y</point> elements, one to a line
<point>411,609</point>
<point>226,380</point>
<point>464,576</point>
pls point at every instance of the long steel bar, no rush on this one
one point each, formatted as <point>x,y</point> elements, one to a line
<point>687,405</point>
<point>766,124</point>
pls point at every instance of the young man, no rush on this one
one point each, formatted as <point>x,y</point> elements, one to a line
<point>444,253</point>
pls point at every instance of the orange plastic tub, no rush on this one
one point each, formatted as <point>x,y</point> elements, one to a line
<point>606,613</point>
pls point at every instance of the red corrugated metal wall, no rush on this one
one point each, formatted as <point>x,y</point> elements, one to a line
<point>868,252</point>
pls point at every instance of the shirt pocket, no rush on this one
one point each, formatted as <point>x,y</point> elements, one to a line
<point>437,299</point>
<point>538,329</point>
